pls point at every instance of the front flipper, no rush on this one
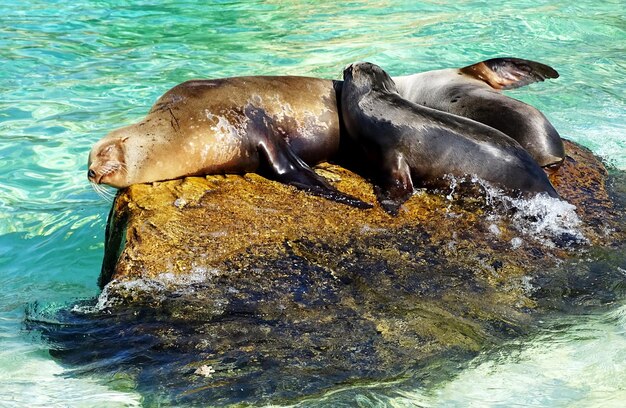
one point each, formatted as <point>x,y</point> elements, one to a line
<point>396,186</point>
<point>509,73</point>
<point>285,166</point>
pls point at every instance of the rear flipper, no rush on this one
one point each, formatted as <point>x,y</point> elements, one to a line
<point>509,73</point>
<point>396,185</point>
<point>285,166</point>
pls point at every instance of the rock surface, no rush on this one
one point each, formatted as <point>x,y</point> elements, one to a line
<point>246,290</point>
<point>222,223</point>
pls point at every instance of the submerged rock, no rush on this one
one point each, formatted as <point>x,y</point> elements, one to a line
<point>239,289</point>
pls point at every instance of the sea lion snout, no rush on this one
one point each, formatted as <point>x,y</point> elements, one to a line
<point>347,71</point>
<point>98,171</point>
<point>106,163</point>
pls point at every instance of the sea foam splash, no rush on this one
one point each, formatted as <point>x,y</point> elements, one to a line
<point>156,288</point>
<point>548,220</point>
<point>545,219</point>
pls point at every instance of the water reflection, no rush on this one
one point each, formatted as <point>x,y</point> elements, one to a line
<point>579,361</point>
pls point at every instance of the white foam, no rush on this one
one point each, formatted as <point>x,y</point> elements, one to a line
<point>157,287</point>
<point>541,218</point>
<point>545,218</point>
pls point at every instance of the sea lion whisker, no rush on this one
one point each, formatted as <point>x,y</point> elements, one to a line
<point>109,195</point>
<point>103,192</point>
<point>109,168</point>
<point>96,188</point>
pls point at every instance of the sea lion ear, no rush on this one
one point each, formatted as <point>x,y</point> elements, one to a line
<point>509,73</point>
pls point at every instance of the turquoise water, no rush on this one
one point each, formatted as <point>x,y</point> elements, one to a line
<point>72,71</point>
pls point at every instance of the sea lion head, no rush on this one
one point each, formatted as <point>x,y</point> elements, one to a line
<point>366,76</point>
<point>107,163</point>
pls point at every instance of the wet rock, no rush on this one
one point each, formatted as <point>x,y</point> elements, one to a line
<point>240,289</point>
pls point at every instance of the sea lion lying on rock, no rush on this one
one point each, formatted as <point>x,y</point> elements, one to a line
<point>276,126</point>
<point>411,144</point>
<point>473,92</point>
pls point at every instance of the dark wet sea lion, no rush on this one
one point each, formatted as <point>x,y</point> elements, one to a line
<point>277,126</point>
<point>409,143</point>
<point>473,92</point>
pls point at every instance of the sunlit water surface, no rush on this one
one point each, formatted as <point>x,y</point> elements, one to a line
<point>72,71</point>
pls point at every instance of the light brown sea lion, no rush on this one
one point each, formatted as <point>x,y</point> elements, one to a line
<point>473,92</point>
<point>276,126</point>
<point>411,144</point>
